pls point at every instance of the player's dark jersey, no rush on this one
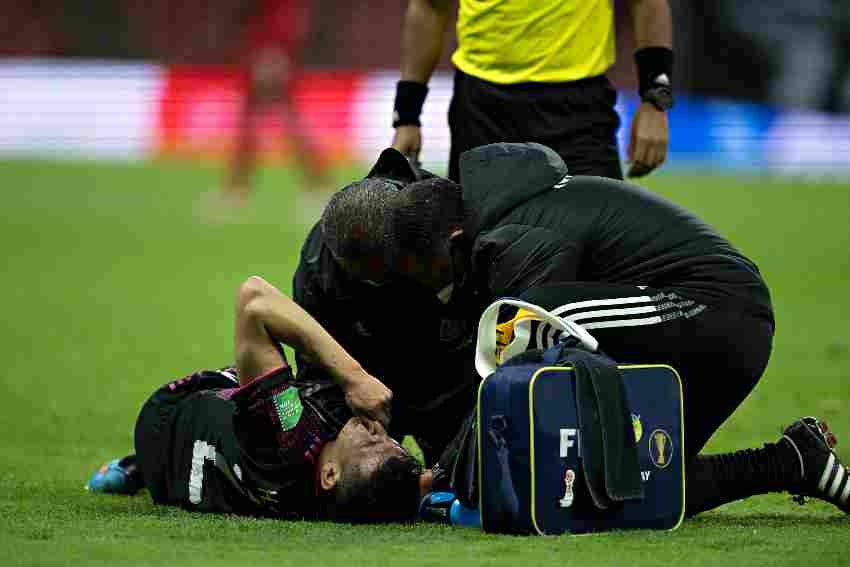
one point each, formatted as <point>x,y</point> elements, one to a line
<point>206,444</point>
<point>532,224</point>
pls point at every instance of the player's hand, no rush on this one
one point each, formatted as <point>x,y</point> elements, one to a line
<point>408,140</point>
<point>648,140</point>
<point>369,397</point>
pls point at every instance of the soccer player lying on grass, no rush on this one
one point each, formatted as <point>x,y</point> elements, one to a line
<point>252,440</point>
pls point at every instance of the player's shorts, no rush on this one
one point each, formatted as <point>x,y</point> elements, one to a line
<point>183,431</point>
<point>576,119</point>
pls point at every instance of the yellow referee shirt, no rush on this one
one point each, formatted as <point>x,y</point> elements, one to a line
<point>541,41</point>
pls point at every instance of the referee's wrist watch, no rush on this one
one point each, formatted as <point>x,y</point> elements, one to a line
<point>660,96</point>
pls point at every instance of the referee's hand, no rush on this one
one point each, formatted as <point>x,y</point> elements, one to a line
<point>408,140</point>
<point>648,140</point>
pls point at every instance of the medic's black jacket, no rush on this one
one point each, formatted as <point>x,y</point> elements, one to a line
<point>531,224</point>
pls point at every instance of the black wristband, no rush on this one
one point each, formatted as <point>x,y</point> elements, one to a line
<point>655,68</point>
<point>409,98</point>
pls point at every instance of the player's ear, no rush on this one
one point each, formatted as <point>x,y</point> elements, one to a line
<point>329,475</point>
<point>393,165</point>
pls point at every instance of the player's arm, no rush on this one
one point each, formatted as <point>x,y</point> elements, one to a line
<point>653,31</point>
<point>422,37</point>
<point>265,316</point>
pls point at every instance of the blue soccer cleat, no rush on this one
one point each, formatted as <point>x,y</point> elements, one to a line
<point>120,476</point>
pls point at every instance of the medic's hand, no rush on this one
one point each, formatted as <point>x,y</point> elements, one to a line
<point>408,140</point>
<point>648,140</point>
<point>369,397</point>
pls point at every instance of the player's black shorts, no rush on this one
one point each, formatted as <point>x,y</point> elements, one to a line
<point>576,119</point>
<point>186,444</point>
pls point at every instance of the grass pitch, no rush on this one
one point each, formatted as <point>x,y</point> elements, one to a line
<point>111,285</point>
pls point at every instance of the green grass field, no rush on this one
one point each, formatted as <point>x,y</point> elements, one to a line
<point>111,285</point>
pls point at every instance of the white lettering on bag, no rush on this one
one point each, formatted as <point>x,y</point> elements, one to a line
<point>569,438</point>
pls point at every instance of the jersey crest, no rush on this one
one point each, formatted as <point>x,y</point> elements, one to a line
<point>289,408</point>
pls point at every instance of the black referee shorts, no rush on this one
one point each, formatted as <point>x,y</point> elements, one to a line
<point>576,119</point>
<point>719,351</point>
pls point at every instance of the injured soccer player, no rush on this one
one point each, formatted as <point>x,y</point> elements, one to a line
<point>250,439</point>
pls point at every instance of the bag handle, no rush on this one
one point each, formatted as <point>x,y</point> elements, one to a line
<point>485,344</point>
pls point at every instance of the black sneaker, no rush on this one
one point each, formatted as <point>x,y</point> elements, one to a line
<point>821,473</point>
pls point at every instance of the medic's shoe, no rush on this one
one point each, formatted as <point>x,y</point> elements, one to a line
<point>821,473</point>
<point>120,476</point>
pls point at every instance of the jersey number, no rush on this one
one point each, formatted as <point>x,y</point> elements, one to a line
<point>201,452</point>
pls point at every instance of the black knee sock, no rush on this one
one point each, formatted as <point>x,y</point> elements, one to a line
<point>714,480</point>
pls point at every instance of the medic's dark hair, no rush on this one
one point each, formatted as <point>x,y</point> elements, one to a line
<point>424,215</point>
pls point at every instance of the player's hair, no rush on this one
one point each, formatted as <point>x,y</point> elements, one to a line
<point>354,222</point>
<point>389,494</point>
<point>424,215</point>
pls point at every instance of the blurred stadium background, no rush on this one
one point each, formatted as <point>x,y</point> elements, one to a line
<point>133,80</point>
<point>115,115</point>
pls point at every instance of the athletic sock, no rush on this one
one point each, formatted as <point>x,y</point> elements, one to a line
<point>714,480</point>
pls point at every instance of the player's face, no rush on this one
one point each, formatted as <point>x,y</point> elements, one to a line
<point>365,444</point>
